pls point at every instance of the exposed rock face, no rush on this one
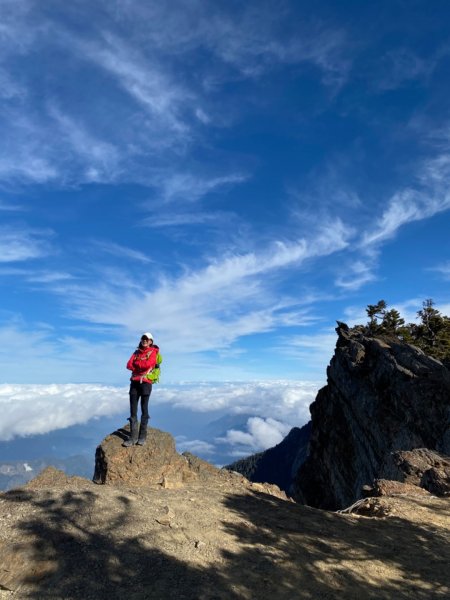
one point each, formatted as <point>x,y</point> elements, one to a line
<point>279,464</point>
<point>421,467</point>
<point>382,396</point>
<point>157,462</point>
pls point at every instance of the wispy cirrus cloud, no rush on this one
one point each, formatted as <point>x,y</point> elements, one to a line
<point>424,200</point>
<point>147,113</point>
<point>356,274</point>
<point>443,269</point>
<point>211,307</point>
<point>22,244</point>
<point>405,207</point>
<point>100,160</point>
<point>315,349</point>
<point>400,66</point>
<point>10,207</point>
<point>122,252</point>
<point>180,218</point>
<point>143,79</point>
<point>36,275</point>
<point>186,187</point>
<point>427,198</point>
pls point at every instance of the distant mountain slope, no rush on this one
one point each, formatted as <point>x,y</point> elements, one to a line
<point>279,464</point>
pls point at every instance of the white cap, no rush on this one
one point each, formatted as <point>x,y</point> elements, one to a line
<point>148,335</point>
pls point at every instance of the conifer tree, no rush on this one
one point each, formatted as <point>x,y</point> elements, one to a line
<point>374,312</point>
<point>392,321</point>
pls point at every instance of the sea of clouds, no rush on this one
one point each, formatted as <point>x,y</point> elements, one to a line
<point>273,408</point>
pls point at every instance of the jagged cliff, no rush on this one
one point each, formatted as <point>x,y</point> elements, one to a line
<point>382,396</point>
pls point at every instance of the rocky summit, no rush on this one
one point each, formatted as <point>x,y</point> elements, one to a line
<point>219,537</point>
<point>384,400</point>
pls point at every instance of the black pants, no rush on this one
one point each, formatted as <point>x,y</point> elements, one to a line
<point>142,391</point>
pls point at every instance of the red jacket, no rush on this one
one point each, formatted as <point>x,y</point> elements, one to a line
<point>142,362</point>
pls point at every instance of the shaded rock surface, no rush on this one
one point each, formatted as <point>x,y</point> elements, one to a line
<point>382,396</point>
<point>218,538</point>
<point>421,467</point>
<point>279,464</point>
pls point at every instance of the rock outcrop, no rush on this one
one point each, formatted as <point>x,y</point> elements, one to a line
<point>158,463</point>
<point>421,467</point>
<point>279,464</point>
<point>382,396</point>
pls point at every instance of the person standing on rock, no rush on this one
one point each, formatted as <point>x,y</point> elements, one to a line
<point>144,365</point>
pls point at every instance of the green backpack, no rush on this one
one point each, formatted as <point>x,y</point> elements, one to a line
<point>153,375</point>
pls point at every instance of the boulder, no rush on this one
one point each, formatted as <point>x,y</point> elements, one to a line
<point>157,462</point>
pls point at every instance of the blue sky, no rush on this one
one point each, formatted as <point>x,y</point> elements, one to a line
<point>231,176</point>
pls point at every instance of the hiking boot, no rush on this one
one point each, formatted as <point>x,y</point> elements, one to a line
<point>133,434</point>
<point>142,434</point>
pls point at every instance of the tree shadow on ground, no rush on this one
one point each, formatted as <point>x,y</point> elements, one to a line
<point>336,556</point>
<point>286,551</point>
<point>73,561</point>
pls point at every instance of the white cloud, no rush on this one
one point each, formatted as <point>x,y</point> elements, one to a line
<point>100,159</point>
<point>291,398</point>
<point>36,275</point>
<point>355,275</point>
<point>199,447</point>
<point>260,435</point>
<point>175,219</point>
<point>29,409</point>
<point>34,409</point>
<point>56,357</point>
<point>122,251</point>
<point>428,199</point>
<point>404,207</point>
<point>142,79</point>
<point>196,311</point>
<point>153,112</point>
<point>23,244</point>
<point>443,269</point>
<point>314,349</point>
<point>190,188</point>
<point>8,207</point>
